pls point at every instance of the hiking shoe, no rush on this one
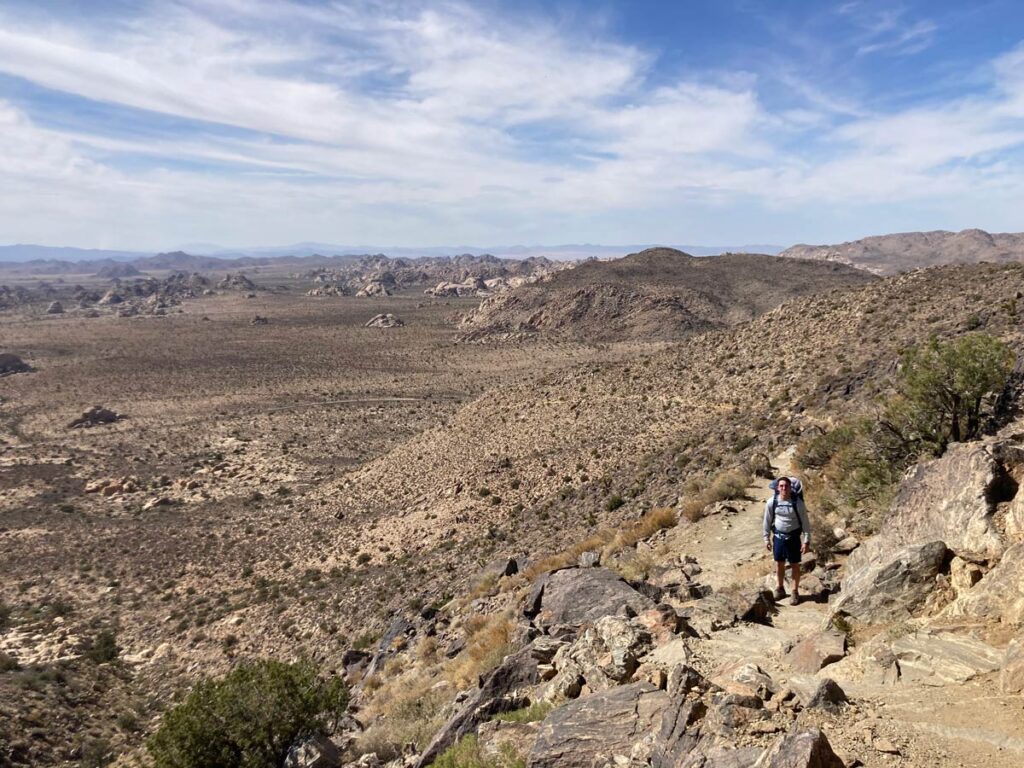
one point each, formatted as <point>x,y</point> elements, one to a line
<point>794,599</point>
<point>779,593</point>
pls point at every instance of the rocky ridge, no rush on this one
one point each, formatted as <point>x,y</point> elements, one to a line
<point>891,254</point>
<point>659,293</point>
<point>443,277</point>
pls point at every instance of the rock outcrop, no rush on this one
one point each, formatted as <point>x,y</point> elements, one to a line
<point>503,689</point>
<point>801,749</point>
<point>383,320</point>
<point>893,586</point>
<point>609,726</point>
<point>580,595</point>
<point>11,364</point>
<point>94,417</point>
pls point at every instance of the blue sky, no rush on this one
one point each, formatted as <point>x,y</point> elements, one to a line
<point>144,125</point>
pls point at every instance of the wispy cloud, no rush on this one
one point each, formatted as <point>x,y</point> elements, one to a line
<point>408,122</point>
<point>886,28</point>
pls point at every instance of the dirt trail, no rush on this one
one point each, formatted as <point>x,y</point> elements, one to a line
<point>930,720</point>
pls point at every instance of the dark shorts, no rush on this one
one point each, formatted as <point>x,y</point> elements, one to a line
<point>786,547</point>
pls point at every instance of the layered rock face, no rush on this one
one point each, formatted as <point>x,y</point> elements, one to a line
<point>956,524</point>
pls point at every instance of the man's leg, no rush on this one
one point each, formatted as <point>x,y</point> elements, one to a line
<point>796,578</point>
<point>780,578</point>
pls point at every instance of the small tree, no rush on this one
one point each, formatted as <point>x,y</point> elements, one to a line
<point>249,718</point>
<point>949,389</point>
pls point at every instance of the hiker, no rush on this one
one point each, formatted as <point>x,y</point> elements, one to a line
<point>787,533</point>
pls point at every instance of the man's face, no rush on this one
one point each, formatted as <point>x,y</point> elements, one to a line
<point>784,489</point>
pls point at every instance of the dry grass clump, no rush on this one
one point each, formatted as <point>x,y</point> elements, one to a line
<point>405,708</point>
<point>634,566</point>
<point>488,641</point>
<point>608,541</point>
<point>730,484</point>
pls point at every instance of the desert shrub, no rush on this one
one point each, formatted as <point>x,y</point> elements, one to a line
<point>613,502</point>
<point>730,484</point>
<point>633,565</point>
<point>250,717</point>
<point>103,648</point>
<point>466,753</point>
<point>608,541</point>
<point>96,753</point>
<point>817,451</point>
<point>5,616</point>
<point>8,663</point>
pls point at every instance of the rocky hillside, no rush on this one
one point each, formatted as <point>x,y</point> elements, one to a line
<point>552,458</point>
<point>673,652</point>
<point>659,293</point>
<point>890,254</point>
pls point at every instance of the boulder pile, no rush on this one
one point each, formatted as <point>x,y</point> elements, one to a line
<point>387,320</point>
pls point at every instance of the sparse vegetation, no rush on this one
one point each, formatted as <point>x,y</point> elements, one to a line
<point>466,753</point>
<point>731,484</point>
<point>103,648</point>
<point>945,391</point>
<point>533,713</point>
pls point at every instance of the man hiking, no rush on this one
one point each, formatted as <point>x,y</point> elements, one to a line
<point>787,534</point>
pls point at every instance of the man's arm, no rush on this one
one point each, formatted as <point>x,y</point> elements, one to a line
<point>767,523</point>
<point>805,522</point>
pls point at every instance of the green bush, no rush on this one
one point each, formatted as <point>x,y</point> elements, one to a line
<point>948,390</point>
<point>613,502</point>
<point>818,451</point>
<point>533,713</point>
<point>249,718</point>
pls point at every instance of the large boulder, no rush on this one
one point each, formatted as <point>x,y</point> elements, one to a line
<point>724,609</point>
<point>576,596</point>
<point>893,586</point>
<point>55,308</point>
<point>679,733</point>
<point>808,748</point>
<point>816,651</point>
<point>607,726</point>
<point>950,657</point>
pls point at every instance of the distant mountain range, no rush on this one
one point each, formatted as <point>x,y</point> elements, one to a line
<point>25,253</point>
<point>891,254</point>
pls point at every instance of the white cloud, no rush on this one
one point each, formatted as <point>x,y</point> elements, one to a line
<point>396,123</point>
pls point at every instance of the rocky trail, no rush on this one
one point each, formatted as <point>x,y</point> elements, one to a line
<point>952,714</point>
<point>694,665</point>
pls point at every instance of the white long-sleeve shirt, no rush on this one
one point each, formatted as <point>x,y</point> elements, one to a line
<point>787,519</point>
